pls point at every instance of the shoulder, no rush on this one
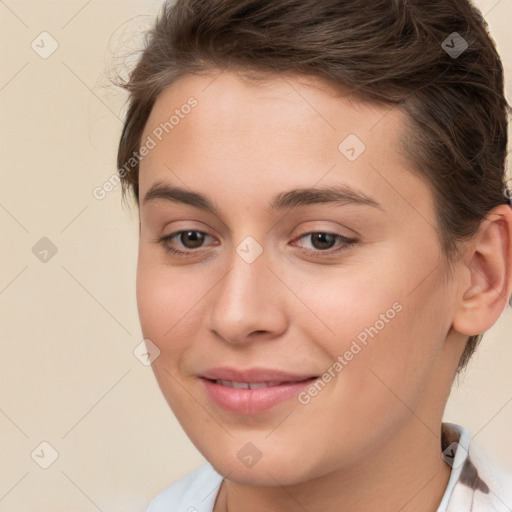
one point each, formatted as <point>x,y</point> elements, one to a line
<point>195,492</point>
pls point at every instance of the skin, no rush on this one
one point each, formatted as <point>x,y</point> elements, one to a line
<point>370,440</point>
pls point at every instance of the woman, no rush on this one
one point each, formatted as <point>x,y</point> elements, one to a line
<point>325,234</point>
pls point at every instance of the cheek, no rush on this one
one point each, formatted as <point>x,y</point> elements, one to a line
<point>164,302</point>
<point>162,299</point>
<point>152,298</point>
<point>376,323</point>
<point>170,303</point>
<point>399,356</point>
<point>351,307</point>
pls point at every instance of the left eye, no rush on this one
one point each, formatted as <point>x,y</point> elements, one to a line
<point>323,241</point>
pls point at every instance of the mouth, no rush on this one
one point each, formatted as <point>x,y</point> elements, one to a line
<point>256,385</point>
<point>251,395</point>
<point>268,376</point>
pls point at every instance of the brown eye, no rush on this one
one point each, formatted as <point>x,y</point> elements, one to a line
<point>187,241</point>
<point>191,239</point>
<point>322,242</point>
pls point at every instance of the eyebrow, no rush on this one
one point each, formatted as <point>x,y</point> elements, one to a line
<point>336,194</point>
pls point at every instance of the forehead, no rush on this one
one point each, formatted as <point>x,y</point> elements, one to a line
<point>284,129</point>
<point>308,103</point>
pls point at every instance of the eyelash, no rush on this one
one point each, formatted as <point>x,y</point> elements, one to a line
<point>347,243</point>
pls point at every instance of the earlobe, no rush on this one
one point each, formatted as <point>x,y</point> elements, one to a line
<point>487,284</point>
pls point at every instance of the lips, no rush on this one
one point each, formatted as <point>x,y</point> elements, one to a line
<point>252,391</point>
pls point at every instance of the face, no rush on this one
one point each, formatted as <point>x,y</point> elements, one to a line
<point>326,310</point>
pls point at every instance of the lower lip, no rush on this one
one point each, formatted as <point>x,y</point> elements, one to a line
<point>253,401</point>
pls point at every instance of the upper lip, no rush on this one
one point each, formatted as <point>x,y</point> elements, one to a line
<point>254,375</point>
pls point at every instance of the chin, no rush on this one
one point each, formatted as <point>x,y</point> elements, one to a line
<point>264,476</point>
<point>269,472</point>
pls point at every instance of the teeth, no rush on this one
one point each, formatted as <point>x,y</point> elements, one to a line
<point>247,385</point>
<point>240,385</point>
<point>258,385</point>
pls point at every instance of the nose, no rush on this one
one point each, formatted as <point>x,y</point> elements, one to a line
<point>248,303</point>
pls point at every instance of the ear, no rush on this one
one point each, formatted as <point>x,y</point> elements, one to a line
<point>487,274</point>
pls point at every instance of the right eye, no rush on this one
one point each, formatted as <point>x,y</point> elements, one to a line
<point>191,239</point>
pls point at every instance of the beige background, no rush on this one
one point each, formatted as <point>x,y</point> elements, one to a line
<point>68,375</point>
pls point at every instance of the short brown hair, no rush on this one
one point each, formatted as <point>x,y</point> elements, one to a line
<point>392,51</point>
